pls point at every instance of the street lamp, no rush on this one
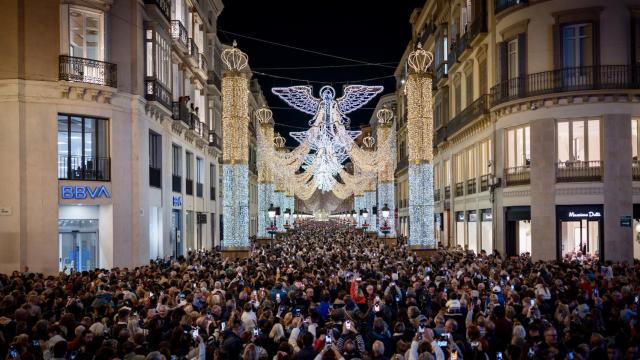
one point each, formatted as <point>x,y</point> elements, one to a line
<point>385,228</point>
<point>287,213</point>
<point>365,215</point>
<point>272,216</point>
<point>353,214</point>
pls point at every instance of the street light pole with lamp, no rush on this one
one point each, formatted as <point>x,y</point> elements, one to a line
<point>385,228</point>
<point>365,215</point>
<point>272,217</point>
<point>287,214</point>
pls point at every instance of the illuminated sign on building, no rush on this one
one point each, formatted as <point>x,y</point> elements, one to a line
<point>84,192</point>
<point>177,201</point>
<point>590,214</point>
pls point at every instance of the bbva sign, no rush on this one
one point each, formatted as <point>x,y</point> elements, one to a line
<point>83,192</point>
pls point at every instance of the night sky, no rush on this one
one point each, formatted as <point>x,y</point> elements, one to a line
<point>363,30</point>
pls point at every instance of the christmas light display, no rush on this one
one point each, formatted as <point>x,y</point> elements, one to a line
<point>420,146</point>
<point>235,172</point>
<point>265,169</point>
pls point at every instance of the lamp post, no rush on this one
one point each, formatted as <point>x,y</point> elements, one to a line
<point>287,214</point>
<point>385,215</point>
<point>365,215</point>
<point>272,216</point>
<point>354,215</point>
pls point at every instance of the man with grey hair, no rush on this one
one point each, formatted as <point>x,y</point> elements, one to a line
<point>377,350</point>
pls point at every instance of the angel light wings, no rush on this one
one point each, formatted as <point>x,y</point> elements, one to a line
<point>327,136</point>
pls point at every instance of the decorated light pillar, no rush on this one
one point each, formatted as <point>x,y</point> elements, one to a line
<point>386,172</point>
<point>420,134</point>
<point>235,152</point>
<point>265,170</point>
<point>369,190</point>
<point>280,188</point>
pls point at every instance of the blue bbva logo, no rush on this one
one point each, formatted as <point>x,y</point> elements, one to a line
<point>84,192</point>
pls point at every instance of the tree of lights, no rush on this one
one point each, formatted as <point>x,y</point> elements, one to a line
<point>235,155</point>
<point>420,146</point>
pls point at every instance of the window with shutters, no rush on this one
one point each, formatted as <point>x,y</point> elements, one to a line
<point>482,77</point>
<point>469,88</point>
<point>512,58</point>
<point>457,95</point>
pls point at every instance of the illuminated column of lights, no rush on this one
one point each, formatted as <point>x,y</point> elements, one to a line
<point>235,144</point>
<point>265,171</point>
<point>420,145</point>
<point>386,172</point>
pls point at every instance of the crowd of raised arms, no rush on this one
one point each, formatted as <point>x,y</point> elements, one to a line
<point>326,291</point>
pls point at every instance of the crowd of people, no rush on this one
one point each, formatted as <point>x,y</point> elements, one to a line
<point>326,291</point>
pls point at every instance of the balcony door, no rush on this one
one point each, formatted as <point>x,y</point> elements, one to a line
<point>577,54</point>
<point>86,35</point>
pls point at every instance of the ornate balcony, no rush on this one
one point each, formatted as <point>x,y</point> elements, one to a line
<point>517,175</point>
<point>193,48</point>
<point>567,79</point>
<point>579,171</point>
<point>447,192</point>
<point>214,79</point>
<point>469,114</point>
<point>459,189</point>
<point>215,140</point>
<point>179,33</point>
<point>163,5</point>
<point>441,71</point>
<point>180,111</point>
<point>471,186</point>
<point>155,91</point>
<point>203,64</point>
<point>88,71</point>
<point>484,182</point>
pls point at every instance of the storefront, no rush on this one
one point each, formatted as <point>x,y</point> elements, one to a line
<point>486,230</point>
<point>176,226</point>
<point>460,228</point>
<point>580,231</point>
<point>84,225</point>
<point>472,231</point>
<point>517,230</point>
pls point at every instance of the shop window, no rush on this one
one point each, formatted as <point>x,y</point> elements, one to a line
<point>155,159</point>
<point>83,148</point>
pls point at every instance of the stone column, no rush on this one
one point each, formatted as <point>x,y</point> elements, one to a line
<point>618,185</point>
<point>543,183</point>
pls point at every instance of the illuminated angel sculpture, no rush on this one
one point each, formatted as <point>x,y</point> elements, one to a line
<point>327,137</point>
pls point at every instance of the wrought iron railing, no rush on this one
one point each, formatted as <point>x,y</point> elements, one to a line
<point>452,58</point>
<point>214,78</point>
<point>176,183</point>
<point>447,192</point>
<point>193,48</point>
<point>215,140</point>
<point>477,108</point>
<point>459,189</point>
<point>635,170</point>
<point>577,171</point>
<point>179,33</point>
<point>403,163</point>
<point>180,111</point>
<point>484,182</point>
<point>441,71</point>
<point>163,5</point>
<point>88,71</point>
<point>77,167</point>
<point>155,177</point>
<point>567,79</point>
<point>471,186</point>
<point>436,195</point>
<point>203,63</point>
<point>155,91</point>
<point>517,175</point>
<point>199,127</point>
<point>500,5</point>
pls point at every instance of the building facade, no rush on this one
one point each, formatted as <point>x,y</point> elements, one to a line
<point>536,109</point>
<point>112,133</point>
